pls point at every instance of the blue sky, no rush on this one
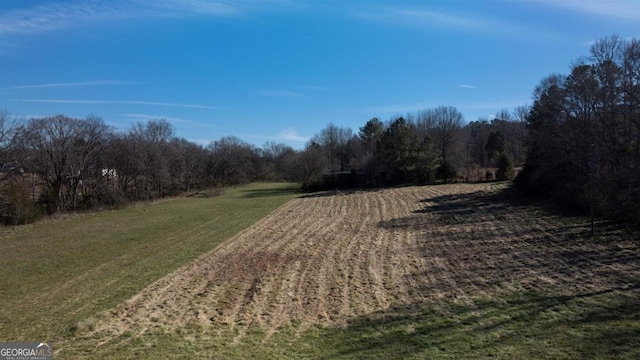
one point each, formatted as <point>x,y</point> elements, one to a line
<point>282,70</point>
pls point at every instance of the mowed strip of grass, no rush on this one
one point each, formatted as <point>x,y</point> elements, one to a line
<point>57,273</point>
<point>601,325</point>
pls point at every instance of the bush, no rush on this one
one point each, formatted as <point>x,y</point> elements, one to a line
<point>424,175</point>
<point>488,175</point>
<point>505,167</point>
<point>16,207</point>
<point>446,171</point>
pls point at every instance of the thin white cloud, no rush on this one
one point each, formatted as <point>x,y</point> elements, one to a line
<point>624,9</point>
<point>282,94</point>
<point>426,18</point>
<point>60,15</point>
<point>286,135</point>
<point>290,134</point>
<point>423,18</point>
<point>54,16</point>
<point>465,86</point>
<point>120,102</point>
<point>72,84</point>
<point>439,19</point>
<point>205,7</point>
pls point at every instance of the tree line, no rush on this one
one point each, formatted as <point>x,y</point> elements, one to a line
<point>418,148</point>
<point>592,113</point>
<point>58,163</point>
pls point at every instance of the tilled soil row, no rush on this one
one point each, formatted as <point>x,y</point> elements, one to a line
<point>326,259</point>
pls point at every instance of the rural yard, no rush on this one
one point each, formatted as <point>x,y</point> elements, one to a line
<point>405,271</point>
<point>255,179</point>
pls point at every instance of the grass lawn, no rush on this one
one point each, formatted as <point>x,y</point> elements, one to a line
<point>60,276</point>
<point>528,326</point>
<point>59,272</point>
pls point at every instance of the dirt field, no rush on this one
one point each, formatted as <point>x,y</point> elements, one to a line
<point>326,259</point>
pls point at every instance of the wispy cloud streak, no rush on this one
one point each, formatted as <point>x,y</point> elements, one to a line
<point>288,135</point>
<point>465,86</point>
<point>53,16</point>
<point>217,8</point>
<point>60,15</point>
<point>424,17</point>
<point>291,135</point>
<point>73,84</point>
<point>624,9</point>
<point>120,102</point>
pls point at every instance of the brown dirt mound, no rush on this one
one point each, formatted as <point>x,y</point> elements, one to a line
<point>325,259</point>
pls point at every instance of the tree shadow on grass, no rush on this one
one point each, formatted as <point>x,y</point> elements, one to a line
<point>549,288</point>
<point>269,192</point>
<point>602,324</point>
<point>485,242</point>
<point>337,192</point>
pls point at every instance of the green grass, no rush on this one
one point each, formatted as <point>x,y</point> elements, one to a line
<point>59,274</point>
<point>527,326</point>
<point>55,274</point>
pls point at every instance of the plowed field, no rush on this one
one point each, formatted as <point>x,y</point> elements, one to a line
<point>326,259</point>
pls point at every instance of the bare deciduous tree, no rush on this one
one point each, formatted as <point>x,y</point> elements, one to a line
<point>65,152</point>
<point>231,161</point>
<point>336,144</point>
<point>447,123</point>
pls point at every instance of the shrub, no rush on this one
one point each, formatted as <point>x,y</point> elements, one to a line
<point>446,171</point>
<point>488,175</point>
<point>16,207</point>
<point>505,167</point>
